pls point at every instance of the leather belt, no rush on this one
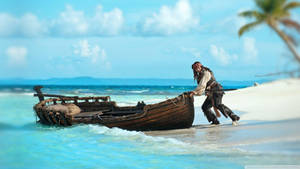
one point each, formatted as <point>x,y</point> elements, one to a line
<point>211,85</point>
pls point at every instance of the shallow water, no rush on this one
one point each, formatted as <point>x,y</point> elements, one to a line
<point>26,144</point>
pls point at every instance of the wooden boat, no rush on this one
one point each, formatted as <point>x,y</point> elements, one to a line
<point>175,113</point>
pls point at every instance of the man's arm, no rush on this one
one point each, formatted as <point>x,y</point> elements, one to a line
<point>202,84</point>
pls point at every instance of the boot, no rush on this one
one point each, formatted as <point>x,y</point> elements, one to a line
<point>215,121</point>
<point>234,117</point>
<point>211,117</point>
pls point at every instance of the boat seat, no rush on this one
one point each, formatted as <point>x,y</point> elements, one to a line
<point>119,113</point>
<point>88,114</point>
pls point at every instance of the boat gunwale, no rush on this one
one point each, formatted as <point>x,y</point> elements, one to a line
<point>47,102</point>
<point>184,98</point>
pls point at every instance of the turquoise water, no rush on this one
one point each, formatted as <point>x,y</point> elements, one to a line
<point>26,144</point>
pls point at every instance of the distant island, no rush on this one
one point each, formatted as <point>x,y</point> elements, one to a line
<point>117,81</point>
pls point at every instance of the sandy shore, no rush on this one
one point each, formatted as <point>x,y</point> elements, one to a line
<point>270,117</point>
<point>278,100</point>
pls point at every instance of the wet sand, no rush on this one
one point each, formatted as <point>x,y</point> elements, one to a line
<point>271,137</point>
<point>270,120</point>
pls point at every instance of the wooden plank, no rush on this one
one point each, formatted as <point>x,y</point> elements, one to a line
<point>141,121</point>
<point>52,116</point>
<point>122,112</point>
<point>155,124</point>
<point>149,120</point>
<point>44,118</point>
<point>62,120</point>
<point>38,114</point>
<point>172,113</point>
<point>88,114</point>
<point>46,114</point>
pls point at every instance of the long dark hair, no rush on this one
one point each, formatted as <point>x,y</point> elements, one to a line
<point>196,74</point>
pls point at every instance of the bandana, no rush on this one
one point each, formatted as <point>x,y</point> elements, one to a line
<point>196,65</point>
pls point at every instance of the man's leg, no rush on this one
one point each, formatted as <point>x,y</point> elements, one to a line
<point>224,109</point>
<point>206,108</point>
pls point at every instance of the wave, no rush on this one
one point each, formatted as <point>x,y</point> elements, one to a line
<point>126,103</point>
<point>148,143</point>
<point>16,93</point>
<point>138,91</point>
<point>159,144</point>
<point>212,144</point>
<point>152,101</point>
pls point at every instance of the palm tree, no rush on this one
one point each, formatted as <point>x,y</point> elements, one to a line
<point>273,13</point>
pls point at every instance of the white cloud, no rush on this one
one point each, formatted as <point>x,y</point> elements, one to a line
<point>109,23</point>
<point>75,23</point>
<point>69,23</point>
<point>171,20</point>
<point>221,55</point>
<point>250,51</point>
<point>83,49</point>
<point>31,26</point>
<point>27,25</point>
<point>16,55</point>
<point>94,53</point>
<point>193,51</point>
<point>7,25</point>
<point>232,24</point>
<point>229,23</point>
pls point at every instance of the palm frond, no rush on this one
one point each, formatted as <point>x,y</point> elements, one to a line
<point>249,26</point>
<point>270,6</point>
<point>290,23</point>
<point>261,4</point>
<point>281,14</point>
<point>291,5</point>
<point>292,40</point>
<point>251,14</point>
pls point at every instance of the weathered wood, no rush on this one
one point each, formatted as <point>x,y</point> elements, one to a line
<point>39,92</point>
<point>52,116</point>
<point>88,114</point>
<point>173,113</point>
<point>62,119</point>
<point>47,116</point>
<point>168,119</point>
<point>37,112</point>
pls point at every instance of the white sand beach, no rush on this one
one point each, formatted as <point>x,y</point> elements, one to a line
<point>278,100</point>
<point>270,118</point>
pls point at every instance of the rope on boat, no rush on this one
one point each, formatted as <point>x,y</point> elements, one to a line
<point>99,117</point>
<point>174,102</point>
<point>183,97</point>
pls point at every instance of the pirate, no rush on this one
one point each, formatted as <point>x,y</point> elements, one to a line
<point>214,92</point>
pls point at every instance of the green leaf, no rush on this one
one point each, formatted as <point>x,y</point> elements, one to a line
<point>291,5</point>
<point>248,27</point>
<point>270,6</point>
<point>251,14</point>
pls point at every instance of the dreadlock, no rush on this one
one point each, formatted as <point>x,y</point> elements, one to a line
<point>198,75</point>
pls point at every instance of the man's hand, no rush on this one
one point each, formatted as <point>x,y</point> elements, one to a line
<point>192,93</point>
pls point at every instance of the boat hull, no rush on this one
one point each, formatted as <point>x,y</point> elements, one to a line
<point>175,113</point>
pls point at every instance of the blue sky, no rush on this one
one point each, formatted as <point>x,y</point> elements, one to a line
<point>135,39</point>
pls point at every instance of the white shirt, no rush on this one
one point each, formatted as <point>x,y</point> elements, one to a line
<point>202,84</point>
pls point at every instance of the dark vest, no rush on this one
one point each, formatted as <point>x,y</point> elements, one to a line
<point>201,74</point>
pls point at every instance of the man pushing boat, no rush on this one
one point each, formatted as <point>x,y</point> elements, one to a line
<point>214,92</point>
